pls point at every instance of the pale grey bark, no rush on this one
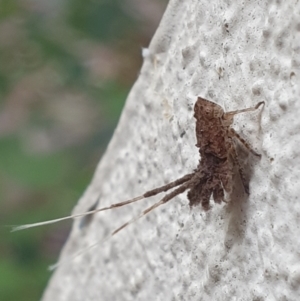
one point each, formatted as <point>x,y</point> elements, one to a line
<point>234,53</point>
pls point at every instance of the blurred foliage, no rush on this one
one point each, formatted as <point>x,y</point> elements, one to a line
<point>65,70</point>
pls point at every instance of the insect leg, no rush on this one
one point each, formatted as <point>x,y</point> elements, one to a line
<point>145,195</point>
<point>169,185</point>
<point>164,200</point>
<point>234,134</point>
<point>241,170</point>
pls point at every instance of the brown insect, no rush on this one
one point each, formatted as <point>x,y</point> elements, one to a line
<point>216,140</point>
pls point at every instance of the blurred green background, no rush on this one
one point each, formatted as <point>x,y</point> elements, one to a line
<point>66,67</point>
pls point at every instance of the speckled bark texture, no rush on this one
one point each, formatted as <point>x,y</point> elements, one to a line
<point>235,53</point>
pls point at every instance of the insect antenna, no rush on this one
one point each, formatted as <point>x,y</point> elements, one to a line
<point>116,205</point>
<point>164,200</point>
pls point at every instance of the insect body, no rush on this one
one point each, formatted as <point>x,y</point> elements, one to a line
<point>214,173</point>
<point>215,139</point>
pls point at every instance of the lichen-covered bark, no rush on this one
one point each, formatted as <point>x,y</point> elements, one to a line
<point>236,54</point>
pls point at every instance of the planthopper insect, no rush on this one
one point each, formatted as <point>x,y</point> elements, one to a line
<point>213,177</point>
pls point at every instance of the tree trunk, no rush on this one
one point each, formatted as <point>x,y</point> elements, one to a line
<point>235,55</point>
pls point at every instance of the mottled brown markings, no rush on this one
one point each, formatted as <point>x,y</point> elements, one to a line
<point>214,174</point>
<point>215,140</point>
